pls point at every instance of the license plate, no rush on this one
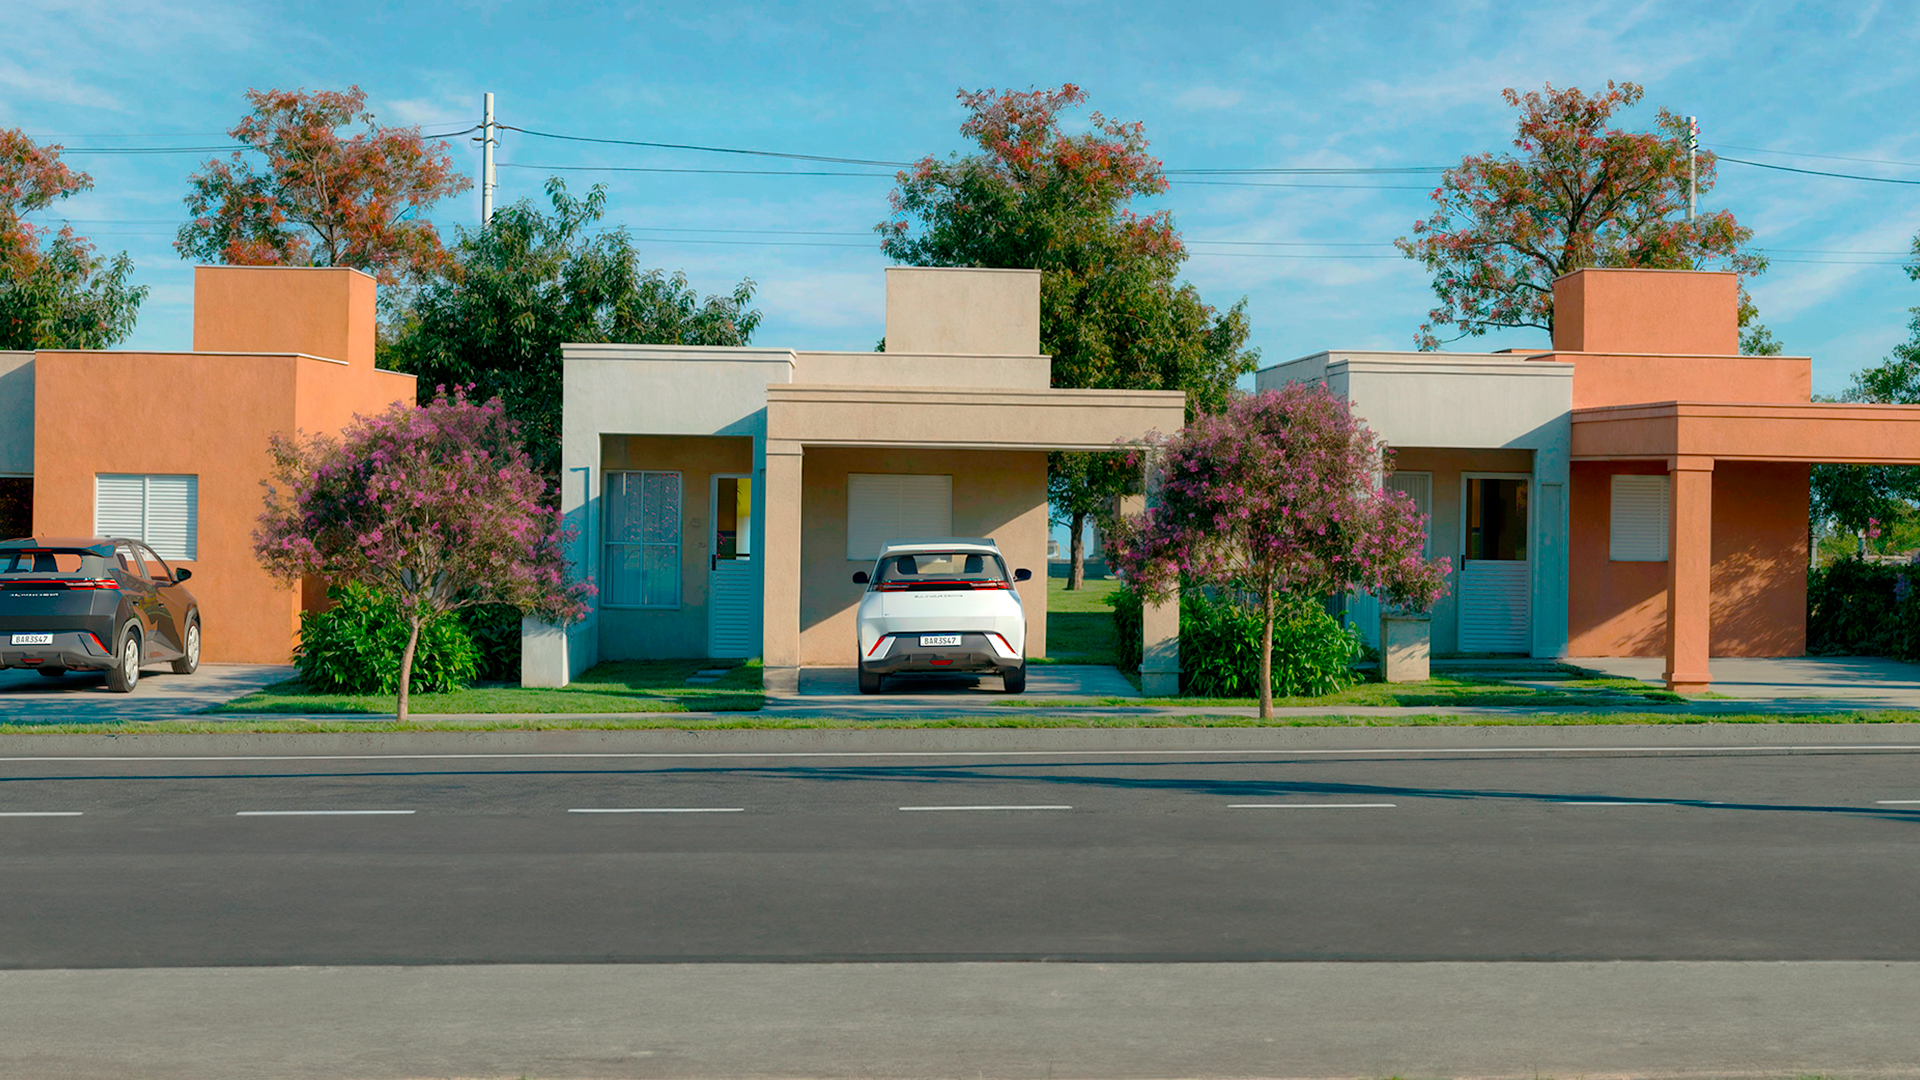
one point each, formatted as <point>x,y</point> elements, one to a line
<point>47,639</point>
<point>929,641</point>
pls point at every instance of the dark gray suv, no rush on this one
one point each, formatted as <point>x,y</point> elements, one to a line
<point>95,604</point>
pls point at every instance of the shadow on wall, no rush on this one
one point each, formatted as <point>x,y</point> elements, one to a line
<point>16,506</point>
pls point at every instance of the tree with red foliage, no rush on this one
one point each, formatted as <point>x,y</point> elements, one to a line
<point>1579,194</point>
<point>1112,315</point>
<point>436,505</point>
<point>60,294</point>
<point>1277,496</point>
<point>304,194</point>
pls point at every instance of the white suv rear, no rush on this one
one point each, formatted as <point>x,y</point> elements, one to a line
<point>942,606</point>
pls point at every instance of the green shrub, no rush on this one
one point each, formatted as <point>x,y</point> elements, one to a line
<point>1865,609</point>
<point>495,630</point>
<point>354,647</point>
<point>1220,646</point>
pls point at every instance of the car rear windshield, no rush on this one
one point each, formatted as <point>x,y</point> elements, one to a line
<point>941,567</point>
<point>26,562</point>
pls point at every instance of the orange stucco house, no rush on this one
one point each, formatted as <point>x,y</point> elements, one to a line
<point>1638,490</point>
<point>171,447</point>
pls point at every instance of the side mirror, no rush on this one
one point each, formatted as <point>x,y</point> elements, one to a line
<point>181,575</point>
<point>1022,575</point>
<point>860,577</point>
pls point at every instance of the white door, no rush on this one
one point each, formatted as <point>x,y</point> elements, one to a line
<point>733,609</point>
<point>1495,580</point>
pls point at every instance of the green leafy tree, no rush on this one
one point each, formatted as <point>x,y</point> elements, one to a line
<point>1877,499</point>
<point>1112,314</point>
<point>528,282</point>
<point>56,291</point>
<point>305,194</point>
<point>1579,193</point>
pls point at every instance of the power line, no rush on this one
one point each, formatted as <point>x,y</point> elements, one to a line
<point>653,169</point>
<point>707,149</point>
<point>1823,157</point>
<point>1817,172</point>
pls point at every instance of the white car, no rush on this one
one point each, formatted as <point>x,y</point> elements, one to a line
<point>945,605</point>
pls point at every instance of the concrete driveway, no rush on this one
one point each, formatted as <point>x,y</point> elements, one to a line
<point>28,697</point>
<point>1862,682</point>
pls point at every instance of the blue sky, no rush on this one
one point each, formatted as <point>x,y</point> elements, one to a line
<point>1218,86</point>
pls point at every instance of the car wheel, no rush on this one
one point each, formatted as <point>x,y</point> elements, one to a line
<point>189,661</point>
<point>1015,680</point>
<point>52,672</point>
<point>870,681</point>
<point>123,676</point>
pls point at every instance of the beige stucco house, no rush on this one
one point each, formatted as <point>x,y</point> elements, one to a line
<point>722,498</point>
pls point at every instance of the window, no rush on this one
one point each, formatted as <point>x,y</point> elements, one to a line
<point>1496,519</point>
<point>642,528</point>
<point>885,507</point>
<point>1417,486</point>
<point>161,511</point>
<point>1637,529</point>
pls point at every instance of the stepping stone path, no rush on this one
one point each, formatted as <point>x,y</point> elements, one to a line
<point>711,675</point>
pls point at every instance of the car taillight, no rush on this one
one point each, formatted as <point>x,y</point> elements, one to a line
<point>94,583</point>
<point>890,588</point>
<point>991,585</point>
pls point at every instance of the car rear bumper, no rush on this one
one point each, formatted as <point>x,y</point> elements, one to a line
<point>976,652</point>
<point>75,650</point>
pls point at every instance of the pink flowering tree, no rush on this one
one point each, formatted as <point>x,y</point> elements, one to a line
<point>437,505</point>
<point>1278,495</point>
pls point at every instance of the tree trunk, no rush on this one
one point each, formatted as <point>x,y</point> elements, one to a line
<point>1266,657</point>
<point>1077,551</point>
<point>406,663</point>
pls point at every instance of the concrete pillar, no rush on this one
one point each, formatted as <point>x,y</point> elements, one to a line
<point>780,570</point>
<point>1689,572</point>
<point>1159,623</point>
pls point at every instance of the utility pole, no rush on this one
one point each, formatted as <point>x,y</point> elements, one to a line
<point>1692,150</point>
<point>486,161</point>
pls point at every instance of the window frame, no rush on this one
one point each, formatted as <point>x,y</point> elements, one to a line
<point>679,542</point>
<point>144,535</point>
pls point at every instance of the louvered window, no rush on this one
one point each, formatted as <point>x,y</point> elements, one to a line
<point>1417,486</point>
<point>885,507</point>
<point>162,512</point>
<point>1638,527</point>
<point>642,527</point>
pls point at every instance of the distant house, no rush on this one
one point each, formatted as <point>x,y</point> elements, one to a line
<point>171,447</point>
<point>1638,490</point>
<point>722,498</point>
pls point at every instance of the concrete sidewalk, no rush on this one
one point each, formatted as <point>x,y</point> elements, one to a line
<point>1853,1019</point>
<point>1854,682</point>
<point>29,697</point>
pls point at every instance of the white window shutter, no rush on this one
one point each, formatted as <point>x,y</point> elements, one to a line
<point>173,516</point>
<point>1417,486</point>
<point>119,505</point>
<point>884,507</point>
<point>1637,529</point>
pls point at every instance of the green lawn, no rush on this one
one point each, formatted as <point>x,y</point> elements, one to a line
<point>1566,688</point>
<point>626,686</point>
<point>1079,623</point>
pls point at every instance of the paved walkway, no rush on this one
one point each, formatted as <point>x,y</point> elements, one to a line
<point>29,697</point>
<point>1853,682</point>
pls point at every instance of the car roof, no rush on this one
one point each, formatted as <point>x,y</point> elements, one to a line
<point>96,545</point>
<point>951,543</point>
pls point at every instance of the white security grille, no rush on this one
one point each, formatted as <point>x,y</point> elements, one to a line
<point>884,507</point>
<point>1494,596</point>
<point>1637,529</point>
<point>642,527</point>
<point>161,511</point>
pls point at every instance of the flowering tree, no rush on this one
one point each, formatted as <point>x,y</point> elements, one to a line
<point>436,504</point>
<point>60,294</point>
<point>309,196</point>
<point>1112,314</point>
<point>1579,194</point>
<point>1277,495</point>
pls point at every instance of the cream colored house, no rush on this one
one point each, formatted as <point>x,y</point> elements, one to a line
<point>723,497</point>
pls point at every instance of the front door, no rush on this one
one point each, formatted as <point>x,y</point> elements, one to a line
<point>733,609</point>
<point>1496,587</point>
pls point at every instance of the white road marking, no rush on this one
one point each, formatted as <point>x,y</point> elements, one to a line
<point>1175,752</point>
<point>1898,802</point>
<point>986,808</point>
<point>316,813</point>
<point>658,810</point>
<point>41,813</point>
<point>1310,805</point>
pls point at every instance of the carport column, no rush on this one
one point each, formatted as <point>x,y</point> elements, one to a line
<point>780,567</point>
<point>1689,572</point>
<point>1159,623</point>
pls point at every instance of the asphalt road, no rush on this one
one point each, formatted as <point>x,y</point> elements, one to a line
<point>1687,854</point>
